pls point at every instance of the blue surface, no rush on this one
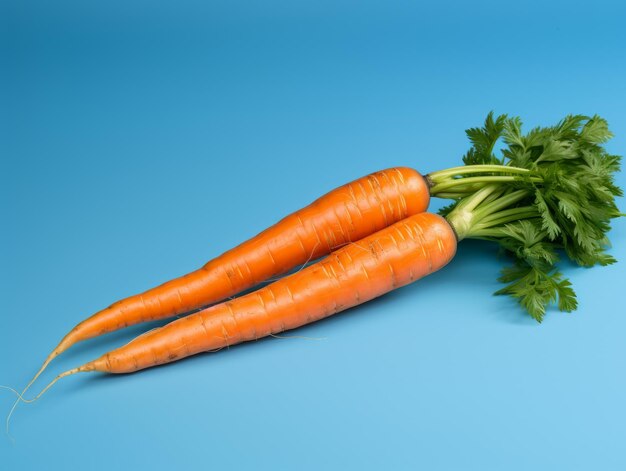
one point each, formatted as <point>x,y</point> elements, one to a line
<point>138,141</point>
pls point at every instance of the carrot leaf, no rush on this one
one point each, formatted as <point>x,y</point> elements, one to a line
<point>551,191</point>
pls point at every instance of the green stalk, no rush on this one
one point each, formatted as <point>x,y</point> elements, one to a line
<point>502,220</point>
<point>462,217</point>
<point>494,195</point>
<point>490,233</point>
<point>443,175</point>
<point>482,180</point>
<point>506,213</point>
<point>508,199</point>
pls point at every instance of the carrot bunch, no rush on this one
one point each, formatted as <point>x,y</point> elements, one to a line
<point>551,192</point>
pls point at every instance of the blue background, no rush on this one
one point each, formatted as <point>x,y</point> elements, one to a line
<point>139,140</point>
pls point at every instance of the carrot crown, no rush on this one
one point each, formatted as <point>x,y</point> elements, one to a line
<point>551,191</point>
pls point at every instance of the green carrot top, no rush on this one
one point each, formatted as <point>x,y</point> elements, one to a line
<point>552,190</point>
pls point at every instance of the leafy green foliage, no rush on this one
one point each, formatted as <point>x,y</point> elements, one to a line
<point>536,287</point>
<point>484,140</point>
<point>569,203</point>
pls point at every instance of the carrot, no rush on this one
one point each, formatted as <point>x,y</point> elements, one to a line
<point>552,191</point>
<point>353,274</point>
<point>345,214</point>
<point>559,195</point>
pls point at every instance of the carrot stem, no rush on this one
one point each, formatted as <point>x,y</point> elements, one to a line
<point>472,202</point>
<point>481,180</point>
<point>507,214</point>
<point>442,175</point>
<point>500,203</point>
<point>505,219</point>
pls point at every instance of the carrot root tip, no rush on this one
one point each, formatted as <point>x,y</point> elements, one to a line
<point>20,398</point>
<point>9,388</point>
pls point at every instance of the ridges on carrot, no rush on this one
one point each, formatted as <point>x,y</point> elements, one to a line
<point>345,214</point>
<point>356,273</point>
<point>540,202</point>
<point>551,200</point>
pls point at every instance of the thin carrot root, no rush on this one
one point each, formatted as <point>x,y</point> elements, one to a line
<point>14,391</point>
<point>20,397</point>
<point>51,383</point>
<point>63,345</point>
<point>41,370</point>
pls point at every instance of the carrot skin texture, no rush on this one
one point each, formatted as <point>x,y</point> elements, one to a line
<point>343,215</point>
<point>353,274</point>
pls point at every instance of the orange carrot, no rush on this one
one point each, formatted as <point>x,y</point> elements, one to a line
<point>532,205</point>
<point>354,274</point>
<point>346,214</point>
